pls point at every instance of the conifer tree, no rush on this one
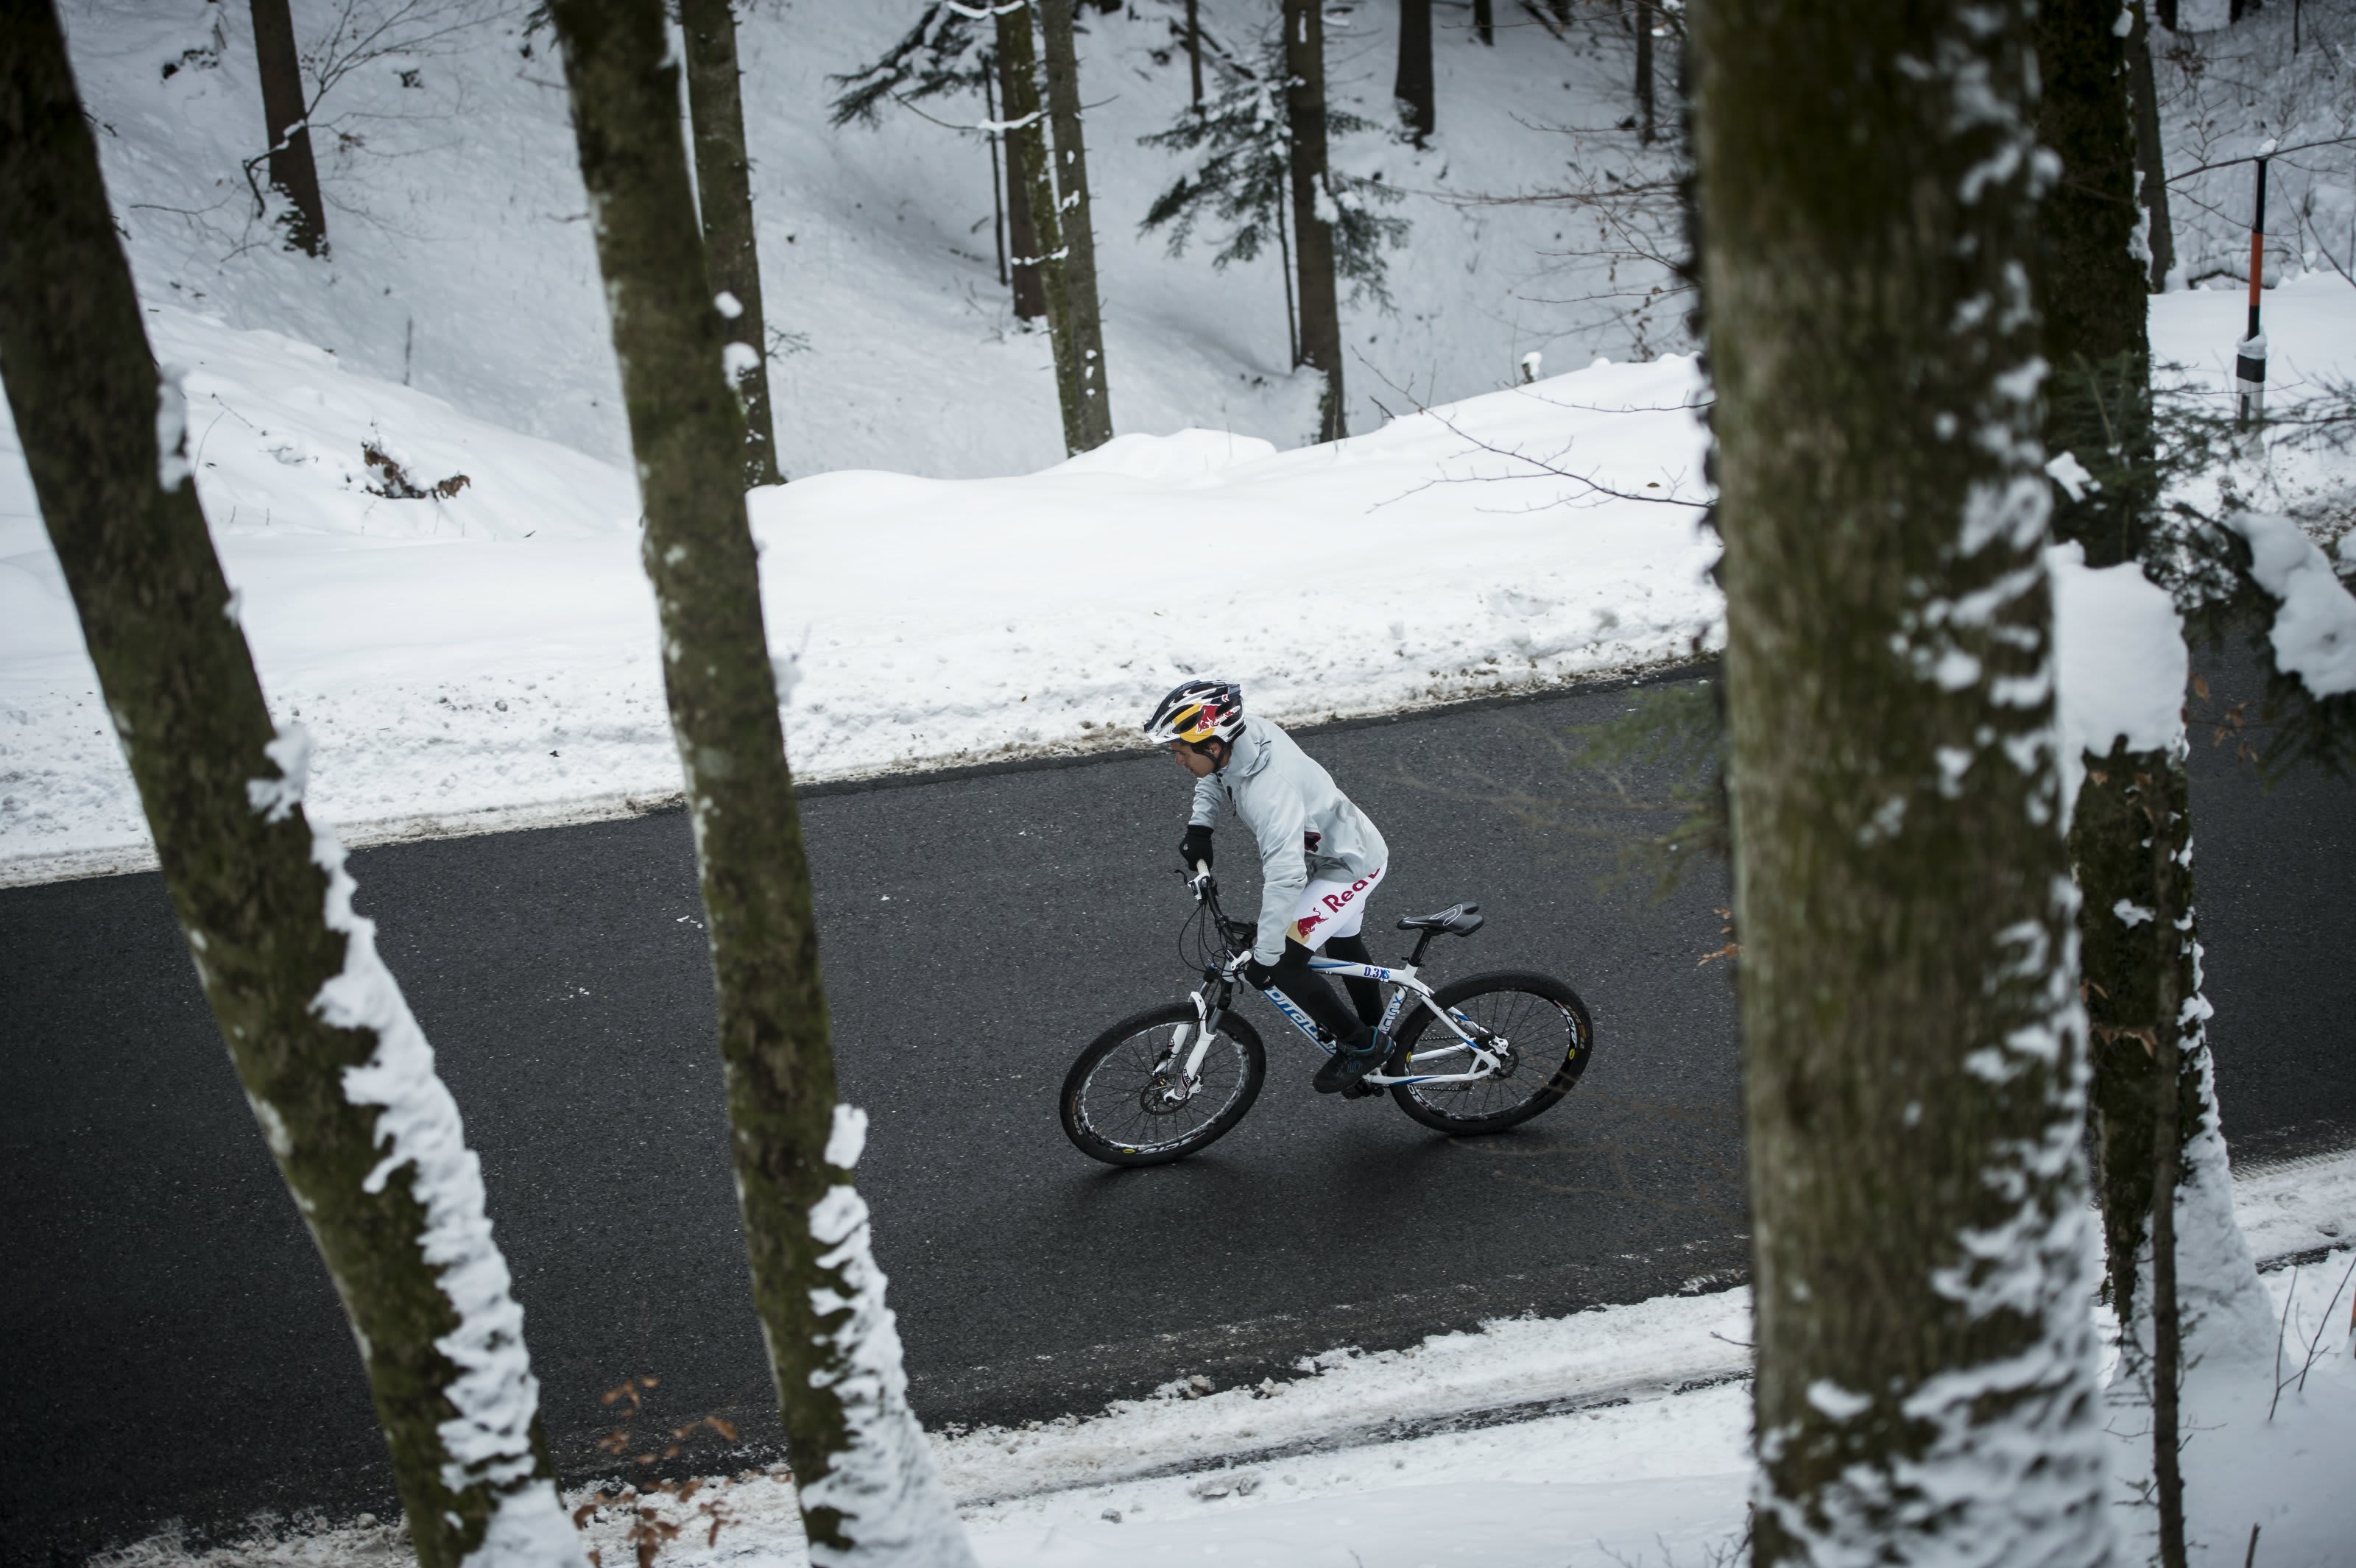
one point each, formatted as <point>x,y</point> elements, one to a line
<point>1052,235</point>
<point>1241,175</point>
<point>1411,84</point>
<point>1029,160</point>
<point>339,1076</point>
<point>723,191</point>
<point>2151,164</point>
<point>1641,20</point>
<point>1314,213</point>
<point>2090,284</point>
<point>1076,218</point>
<point>1029,287</point>
<point>947,50</point>
<point>1195,49</point>
<point>285,113</point>
<point>866,1478</point>
<point>1914,1067</point>
<point>2155,1112</point>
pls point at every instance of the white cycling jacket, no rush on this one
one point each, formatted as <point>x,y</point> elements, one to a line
<point>1305,826</point>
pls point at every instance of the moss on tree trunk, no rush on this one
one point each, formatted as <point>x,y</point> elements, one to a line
<point>1913,1051</point>
<point>724,189</point>
<point>859,1463</point>
<point>1313,234</point>
<point>102,437</point>
<point>1075,218</point>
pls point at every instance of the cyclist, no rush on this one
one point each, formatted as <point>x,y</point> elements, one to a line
<point>1320,858</point>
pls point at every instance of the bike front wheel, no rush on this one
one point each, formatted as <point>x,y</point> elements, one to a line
<point>1125,1100</point>
<point>1535,1022</point>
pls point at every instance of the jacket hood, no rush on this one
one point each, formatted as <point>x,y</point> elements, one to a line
<point>1251,749</point>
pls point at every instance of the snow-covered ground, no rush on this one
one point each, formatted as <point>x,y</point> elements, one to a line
<point>461,259</point>
<point>1619,1436</point>
<point>487,659</point>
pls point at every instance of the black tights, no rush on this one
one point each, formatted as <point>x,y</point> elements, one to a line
<point>1351,1025</point>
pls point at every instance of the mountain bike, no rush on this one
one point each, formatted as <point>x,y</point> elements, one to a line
<point>1477,1055</point>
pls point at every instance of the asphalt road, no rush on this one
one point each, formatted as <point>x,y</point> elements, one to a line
<point>174,1350</point>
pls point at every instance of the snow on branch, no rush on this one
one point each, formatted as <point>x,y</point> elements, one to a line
<point>2315,621</point>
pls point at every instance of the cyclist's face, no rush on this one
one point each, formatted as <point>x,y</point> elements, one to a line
<point>1192,760</point>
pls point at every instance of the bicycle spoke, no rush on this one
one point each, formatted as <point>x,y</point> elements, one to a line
<point>1127,1102</point>
<point>1531,1033</point>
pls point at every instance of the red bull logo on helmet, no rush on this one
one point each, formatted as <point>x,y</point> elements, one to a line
<point>1200,724</point>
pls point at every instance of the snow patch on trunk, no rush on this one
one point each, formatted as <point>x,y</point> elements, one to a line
<point>488,1442</point>
<point>2119,645</point>
<point>883,1481</point>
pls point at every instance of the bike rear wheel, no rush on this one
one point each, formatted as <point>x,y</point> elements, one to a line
<point>1123,1102</point>
<point>1539,1020</point>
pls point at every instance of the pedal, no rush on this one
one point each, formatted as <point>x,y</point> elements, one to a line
<point>1361,1090</point>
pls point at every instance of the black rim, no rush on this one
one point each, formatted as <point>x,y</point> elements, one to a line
<point>1541,1032</point>
<point>1130,1099</point>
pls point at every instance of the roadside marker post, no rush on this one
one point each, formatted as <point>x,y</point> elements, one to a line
<point>2250,354</point>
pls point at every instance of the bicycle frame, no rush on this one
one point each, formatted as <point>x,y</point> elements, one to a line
<point>1213,998</point>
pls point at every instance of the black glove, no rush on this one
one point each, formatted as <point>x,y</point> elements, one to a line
<point>1259,975</point>
<point>1195,848</point>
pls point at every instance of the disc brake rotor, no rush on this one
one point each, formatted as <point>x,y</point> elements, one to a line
<point>1165,1095</point>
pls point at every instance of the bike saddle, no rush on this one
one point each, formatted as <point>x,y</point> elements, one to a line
<point>1463,919</point>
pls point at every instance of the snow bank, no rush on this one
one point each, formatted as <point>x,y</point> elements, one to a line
<point>485,658</point>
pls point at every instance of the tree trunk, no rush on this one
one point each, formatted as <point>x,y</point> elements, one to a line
<point>2090,285</point>
<point>724,189</point>
<point>2164,10</point>
<point>1194,47</point>
<point>292,172</point>
<point>1412,84</point>
<point>1644,105</point>
<point>1022,234</point>
<point>2099,407</point>
<point>997,183</point>
<point>1485,22</point>
<point>1914,1047</point>
<point>2140,939</point>
<point>2170,950</point>
<point>867,1489</point>
<point>339,1076</point>
<point>1076,218</point>
<point>1027,151</point>
<point>2151,162</point>
<point>1313,236</point>
<point>1284,270</point>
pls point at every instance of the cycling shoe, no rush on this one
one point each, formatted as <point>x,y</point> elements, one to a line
<point>1342,1070</point>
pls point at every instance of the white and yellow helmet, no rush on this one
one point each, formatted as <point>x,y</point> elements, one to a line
<point>1196,711</point>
